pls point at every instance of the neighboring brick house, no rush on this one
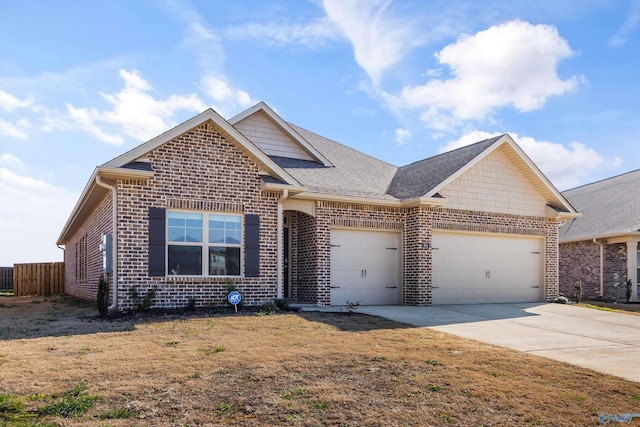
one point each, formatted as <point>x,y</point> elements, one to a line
<point>602,247</point>
<point>283,212</point>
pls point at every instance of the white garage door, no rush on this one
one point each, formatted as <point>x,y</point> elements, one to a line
<point>475,268</point>
<point>365,267</point>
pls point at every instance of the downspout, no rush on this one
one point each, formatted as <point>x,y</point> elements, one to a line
<point>601,265</point>
<point>280,256</point>
<point>114,242</point>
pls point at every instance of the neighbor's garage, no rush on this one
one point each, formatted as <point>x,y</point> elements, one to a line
<point>365,267</point>
<point>482,268</point>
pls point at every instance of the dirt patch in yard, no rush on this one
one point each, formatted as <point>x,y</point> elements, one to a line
<point>306,369</point>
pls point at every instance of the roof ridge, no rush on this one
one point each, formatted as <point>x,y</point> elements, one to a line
<point>601,180</point>
<point>495,138</point>
<point>343,145</point>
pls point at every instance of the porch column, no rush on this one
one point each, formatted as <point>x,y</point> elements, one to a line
<point>632,267</point>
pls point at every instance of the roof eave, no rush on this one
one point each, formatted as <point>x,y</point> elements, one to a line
<point>634,235</point>
<point>262,106</point>
<point>406,203</point>
<point>506,139</point>
<point>93,193</point>
<point>270,186</point>
<point>227,130</point>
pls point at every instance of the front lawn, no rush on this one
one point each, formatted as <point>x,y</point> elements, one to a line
<point>60,365</point>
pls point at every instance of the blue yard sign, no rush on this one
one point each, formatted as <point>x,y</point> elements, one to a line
<point>234,299</point>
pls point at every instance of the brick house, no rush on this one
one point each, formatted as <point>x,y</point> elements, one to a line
<point>283,212</point>
<point>602,247</point>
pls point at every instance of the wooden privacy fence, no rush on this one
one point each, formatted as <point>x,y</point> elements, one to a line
<point>38,279</point>
<point>6,278</point>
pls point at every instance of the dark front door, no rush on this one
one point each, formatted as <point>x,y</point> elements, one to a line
<point>287,285</point>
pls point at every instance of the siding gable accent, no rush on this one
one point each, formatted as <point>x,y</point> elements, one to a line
<point>252,245</point>
<point>495,184</point>
<point>157,241</point>
<point>268,137</point>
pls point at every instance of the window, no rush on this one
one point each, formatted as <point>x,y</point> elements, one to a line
<point>206,244</point>
<point>81,259</point>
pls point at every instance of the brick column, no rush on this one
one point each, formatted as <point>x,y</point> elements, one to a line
<point>417,259</point>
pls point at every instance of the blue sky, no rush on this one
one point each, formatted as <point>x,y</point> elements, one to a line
<point>82,82</point>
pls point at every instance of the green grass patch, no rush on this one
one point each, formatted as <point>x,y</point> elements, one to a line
<point>121,414</point>
<point>597,307</point>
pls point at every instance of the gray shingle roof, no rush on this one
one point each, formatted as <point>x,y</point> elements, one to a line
<point>354,173</point>
<point>608,207</point>
<point>417,179</point>
<point>359,175</point>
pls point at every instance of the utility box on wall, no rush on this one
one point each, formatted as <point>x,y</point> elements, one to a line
<point>106,247</point>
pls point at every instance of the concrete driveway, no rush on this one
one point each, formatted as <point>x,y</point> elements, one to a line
<point>603,341</point>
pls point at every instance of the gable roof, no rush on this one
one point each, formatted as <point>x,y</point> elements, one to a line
<point>224,127</point>
<point>419,178</point>
<point>263,108</point>
<point>609,207</point>
<point>352,173</point>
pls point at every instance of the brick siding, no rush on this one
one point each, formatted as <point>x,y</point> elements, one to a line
<point>202,171</point>
<point>581,261</point>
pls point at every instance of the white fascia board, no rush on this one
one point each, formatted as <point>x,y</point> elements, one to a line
<point>284,126</point>
<point>227,130</point>
<point>465,168</point>
<point>617,237</point>
<point>269,186</point>
<point>92,191</point>
<point>506,139</point>
<point>542,177</point>
<point>419,201</point>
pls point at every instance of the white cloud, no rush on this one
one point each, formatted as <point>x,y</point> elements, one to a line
<point>204,42</point>
<point>566,166</point>
<point>32,215</point>
<point>628,27</point>
<point>13,130</point>
<point>136,113</point>
<point>227,99</point>
<point>402,135</point>
<point>312,34</point>
<point>509,65</point>
<point>10,160</point>
<point>379,37</point>
<point>10,103</point>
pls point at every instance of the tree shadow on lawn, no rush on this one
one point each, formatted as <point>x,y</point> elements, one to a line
<point>63,315</point>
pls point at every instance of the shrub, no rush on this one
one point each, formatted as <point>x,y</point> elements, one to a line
<point>629,290</point>
<point>103,296</point>
<point>578,289</point>
<point>143,303</point>
<point>282,303</point>
<point>561,300</point>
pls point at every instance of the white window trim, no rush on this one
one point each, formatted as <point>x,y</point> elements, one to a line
<point>204,244</point>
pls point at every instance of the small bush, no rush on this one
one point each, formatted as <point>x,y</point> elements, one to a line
<point>562,300</point>
<point>143,302</point>
<point>629,290</point>
<point>578,288</point>
<point>268,308</point>
<point>282,304</point>
<point>103,296</point>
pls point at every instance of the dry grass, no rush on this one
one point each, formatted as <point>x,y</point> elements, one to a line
<point>309,369</point>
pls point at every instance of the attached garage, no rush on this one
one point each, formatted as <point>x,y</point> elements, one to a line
<point>365,267</point>
<point>483,268</point>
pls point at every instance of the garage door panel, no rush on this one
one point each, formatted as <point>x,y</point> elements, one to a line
<point>470,268</point>
<point>366,268</point>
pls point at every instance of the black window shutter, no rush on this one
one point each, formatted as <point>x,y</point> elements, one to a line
<point>252,245</point>
<point>157,241</point>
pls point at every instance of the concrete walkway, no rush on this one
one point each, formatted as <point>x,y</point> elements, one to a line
<point>603,341</point>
